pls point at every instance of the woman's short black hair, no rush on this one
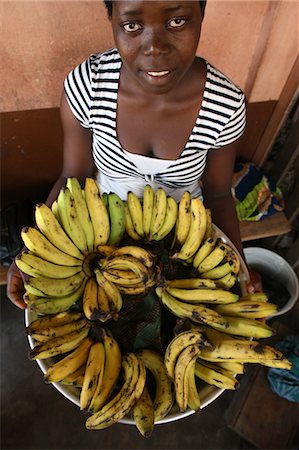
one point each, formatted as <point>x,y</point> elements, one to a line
<point>108,3</point>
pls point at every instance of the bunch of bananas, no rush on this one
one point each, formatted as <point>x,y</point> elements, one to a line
<point>88,252</point>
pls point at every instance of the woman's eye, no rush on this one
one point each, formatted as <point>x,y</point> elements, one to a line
<point>175,23</point>
<point>131,26</point>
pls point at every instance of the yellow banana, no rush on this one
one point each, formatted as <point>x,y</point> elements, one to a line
<point>112,292</point>
<point>59,345</point>
<point>236,368</point>
<point>76,378</point>
<point>248,308</point>
<point>220,271</point>
<point>130,230</point>
<point>90,300</point>
<point>196,231</point>
<point>103,305</point>
<point>93,374</point>
<point>159,212</point>
<point>61,330</point>
<point>164,398</point>
<point>82,211</point>
<point>111,373</point>
<point>70,219</point>
<point>227,281</point>
<point>122,277</point>
<point>97,211</point>
<point>51,228</point>
<point>117,217</point>
<point>203,295</point>
<point>184,364</point>
<point>40,246</point>
<point>129,394</point>
<point>192,283</point>
<point>147,208</point>
<point>213,259</point>
<point>135,210</point>
<point>126,262</point>
<point>143,255</point>
<point>255,297</point>
<point>143,414</point>
<point>35,266</point>
<point>105,250</point>
<point>241,326</point>
<point>54,209</point>
<point>48,287</point>
<point>204,250</point>
<point>215,376</point>
<point>183,222</point>
<point>196,313</point>
<point>194,401</point>
<point>69,364</point>
<point>54,305</point>
<point>232,255</point>
<point>179,343</point>
<point>56,320</point>
<point>209,229</point>
<point>169,221</point>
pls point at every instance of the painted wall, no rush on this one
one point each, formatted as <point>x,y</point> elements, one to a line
<point>254,42</point>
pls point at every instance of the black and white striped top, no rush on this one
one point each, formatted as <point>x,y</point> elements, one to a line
<point>91,89</point>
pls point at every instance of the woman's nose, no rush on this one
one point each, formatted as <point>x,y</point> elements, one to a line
<point>156,43</point>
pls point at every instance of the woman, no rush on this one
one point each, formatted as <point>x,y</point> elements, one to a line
<point>151,111</point>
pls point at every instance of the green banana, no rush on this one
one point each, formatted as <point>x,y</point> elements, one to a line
<point>117,217</point>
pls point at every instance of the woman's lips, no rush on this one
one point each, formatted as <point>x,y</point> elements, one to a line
<point>158,74</point>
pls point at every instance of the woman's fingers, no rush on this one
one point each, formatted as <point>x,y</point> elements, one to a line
<point>15,287</point>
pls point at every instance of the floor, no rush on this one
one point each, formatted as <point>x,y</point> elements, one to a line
<point>35,415</point>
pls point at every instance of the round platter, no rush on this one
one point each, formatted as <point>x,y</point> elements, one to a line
<point>208,393</point>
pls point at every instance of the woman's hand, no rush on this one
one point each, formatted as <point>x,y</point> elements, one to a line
<point>255,284</point>
<point>15,286</point>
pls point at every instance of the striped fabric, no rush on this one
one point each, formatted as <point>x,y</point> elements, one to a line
<point>91,90</point>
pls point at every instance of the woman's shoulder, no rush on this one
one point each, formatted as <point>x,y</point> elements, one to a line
<point>110,56</point>
<point>221,81</point>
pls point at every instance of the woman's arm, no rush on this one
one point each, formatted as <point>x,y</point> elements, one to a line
<point>217,183</point>
<point>77,162</point>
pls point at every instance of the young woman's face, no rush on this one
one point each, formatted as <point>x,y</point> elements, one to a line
<point>157,40</point>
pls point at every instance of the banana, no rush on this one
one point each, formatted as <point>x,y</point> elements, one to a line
<point>236,368</point>
<point>130,230</point>
<point>74,186</point>
<point>40,246</point>
<point>194,401</point>
<point>70,363</point>
<point>143,414</point>
<point>213,259</point>
<point>209,229</point>
<point>183,222</point>
<point>76,378</point>
<point>93,374</point>
<point>61,330</point>
<point>97,211</point>
<point>220,271</point>
<point>48,287</point>
<point>70,219</point>
<point>164,398</point>
<point>203,295</point>
<point>143,255</point>
<point>147,208</point>
<point>126,262</point>
<point>122,277</point>
<point>103,305</point>
<point>105,250</point>
<point>215,376</point>
<point>35,266</point>
<point>248,308</point>
<point>129,394</point>
<point>111,372</point>
<point>204,250</point>
<point>196,231</point>
<point>54,305</point>
<point>54,209</point>
<point>90,300</point>
<point>105,198</point>
<point>227,281</point>
<point>184,365</point>
<point>169,221</point>
<point>112,292</point>
<point>179,343</point>
<point>56,320</point>
<point>117,217</point>
<point>59,345</point>
<point>196,313</point>
<point>255,297</point>
<point>245,351</point>
<point>51,228</point>
<point>135,210</point>
<point>191,283</point>
<point>240,326</point>
<point>232,255</point>
<point>159,212</point>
